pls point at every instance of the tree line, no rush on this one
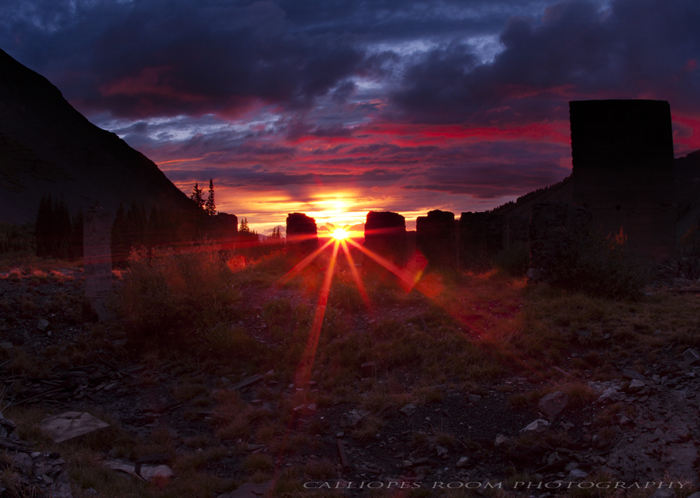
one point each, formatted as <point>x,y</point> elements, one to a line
<point>59,235</point>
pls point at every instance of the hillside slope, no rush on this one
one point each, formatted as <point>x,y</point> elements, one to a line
<point>47,147</point>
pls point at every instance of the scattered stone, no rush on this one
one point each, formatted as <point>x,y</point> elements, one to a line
<point>312,407</point>
<point>7,346</point>
<point>500,440</point>
<point>553,403</point>
<point>408,410</point>
<point>539,426</point>
<point>632,375</point>
<point>70,425</point>
<point>663,493</point>
<point>442,452</point>
<point>474,398</point>
<point>636,386</point>
<point>250,490</point>
<point>42,325</point>
<point>690,356</point>
<point>575,474</point>
<point>23,462</point>
<point>610,395</point>
<point>462,462</point>
<point>146,472</point>
<point>353,417</point>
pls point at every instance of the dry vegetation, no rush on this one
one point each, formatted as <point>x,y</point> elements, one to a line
<point>208,320</point>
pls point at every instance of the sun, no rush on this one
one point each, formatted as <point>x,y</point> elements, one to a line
<point>340,234</point>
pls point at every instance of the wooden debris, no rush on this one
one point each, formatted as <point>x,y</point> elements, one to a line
<point>343,456</point>
<point>246,382</point>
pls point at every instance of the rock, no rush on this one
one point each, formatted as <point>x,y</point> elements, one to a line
<point>611,395</point>
<point>442,452</point>
<point>23,462</point>
<point>474,398</point>
<point>354,417</point>
<point>539,426</point>
<point>553,403</point>
<point>632,374</point>
<point>500,440</point>
<point>70,425</point>
<point>408,410</point>
<point>7,346</point>
<point>146,471</point>
<point>636,386</point>
<point>462,462</point>
<point>576,474</point>
<point>42,325</point>
<point>663,493</point>
<point>690,356</point>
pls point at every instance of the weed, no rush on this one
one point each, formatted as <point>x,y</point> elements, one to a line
<point>258,462</point>
<point>515,260</point>
<point>320,469</point>
<point>165,294</point>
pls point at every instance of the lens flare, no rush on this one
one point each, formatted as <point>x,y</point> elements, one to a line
<point>340,234</point>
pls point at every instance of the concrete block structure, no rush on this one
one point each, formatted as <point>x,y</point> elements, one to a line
<point>481,235</point>
<point>385,235</point>
<point>624,172</point>
<point>436,238</point>
<point>302,233</point>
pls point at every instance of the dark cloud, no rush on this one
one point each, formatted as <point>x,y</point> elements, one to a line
<point>433,100</point>
<point>633,49</point>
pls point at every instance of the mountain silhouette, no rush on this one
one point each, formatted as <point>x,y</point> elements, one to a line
<point>49,148</point>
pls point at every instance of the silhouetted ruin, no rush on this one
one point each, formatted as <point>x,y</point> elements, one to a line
<point>436,238</point>
<point>302,234</point>
<point>554,226</point>
<point>481,235</point>
<point>385,235</point>
<point>624,172</point>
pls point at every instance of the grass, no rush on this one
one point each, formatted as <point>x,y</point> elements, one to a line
<point>465,332</point>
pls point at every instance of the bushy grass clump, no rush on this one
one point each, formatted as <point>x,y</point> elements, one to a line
<point>515,260</point>
<point>602,267</point>
<point>166,294</point>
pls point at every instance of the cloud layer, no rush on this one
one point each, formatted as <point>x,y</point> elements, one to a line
<point>395,104</point>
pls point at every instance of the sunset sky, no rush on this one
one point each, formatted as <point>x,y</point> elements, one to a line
<point>335,108</point>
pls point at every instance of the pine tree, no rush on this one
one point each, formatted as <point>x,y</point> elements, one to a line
<point>197,196</point>
<point>44,227</point>
<point>75,243</point>
<point>210,205</point>
<point>243,228</point>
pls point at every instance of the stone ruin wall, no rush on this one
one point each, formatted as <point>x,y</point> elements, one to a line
<point>436,238</point>
<point>302,234</point>
<point>624,172</point>
<point>385,235</point>
<point>554,226</point>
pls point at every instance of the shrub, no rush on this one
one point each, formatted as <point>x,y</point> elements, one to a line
<point>515,260</point>
<point>166,293</point>
<point>602,267</point>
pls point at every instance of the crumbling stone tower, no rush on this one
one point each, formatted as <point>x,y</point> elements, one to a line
<point>436,238</point>
<point>302,235</point>
<point>623,170</point>
<point>385,235</point>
